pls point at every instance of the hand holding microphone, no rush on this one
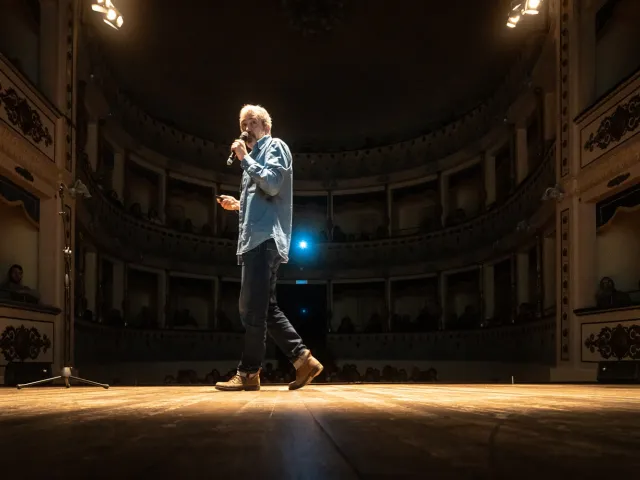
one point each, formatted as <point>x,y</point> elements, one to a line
<point>238,144</point>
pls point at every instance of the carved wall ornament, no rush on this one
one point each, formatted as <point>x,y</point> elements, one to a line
<point>619,342</point>
<point>614,127</point>
<point>614,182</point>
<point>23,116</point>
<point>564,62</point>
<point>22,343</point>
<point>565,277</point>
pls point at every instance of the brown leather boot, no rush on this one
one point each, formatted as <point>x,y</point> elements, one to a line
<point>307,368</point>
<point>238,383</point>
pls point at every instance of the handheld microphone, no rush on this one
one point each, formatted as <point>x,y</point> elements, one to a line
<point>232,157</point>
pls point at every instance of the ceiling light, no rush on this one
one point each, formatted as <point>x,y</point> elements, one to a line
<point>519,8</point>
<point>531,7</point>
<point>111,15</point>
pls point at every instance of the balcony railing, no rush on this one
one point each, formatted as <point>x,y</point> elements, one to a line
<point>109,222</point>
<point>609,123</point>
<point>25,112</point>
<point>526,343</point>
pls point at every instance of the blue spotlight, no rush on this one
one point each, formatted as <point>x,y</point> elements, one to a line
<point>303,245</point>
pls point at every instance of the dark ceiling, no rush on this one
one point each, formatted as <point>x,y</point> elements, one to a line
<point>383,71</point>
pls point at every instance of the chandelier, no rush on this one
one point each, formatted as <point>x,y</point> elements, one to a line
<point>112,16</point>
<point>520,8</point>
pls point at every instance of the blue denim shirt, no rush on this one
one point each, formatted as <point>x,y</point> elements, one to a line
<point>266,197</point>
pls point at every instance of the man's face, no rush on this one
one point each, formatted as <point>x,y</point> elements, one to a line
<point>254,127</point>
<point>16,275</point>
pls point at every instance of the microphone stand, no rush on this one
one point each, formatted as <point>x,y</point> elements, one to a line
<point>78,187</point>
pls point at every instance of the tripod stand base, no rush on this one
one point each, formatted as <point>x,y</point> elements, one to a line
<point>66,374</point>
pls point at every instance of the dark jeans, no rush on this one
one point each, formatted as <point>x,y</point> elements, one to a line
<point>259,310</point>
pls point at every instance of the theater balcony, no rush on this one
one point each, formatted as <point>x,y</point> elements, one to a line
<point>429,253</point>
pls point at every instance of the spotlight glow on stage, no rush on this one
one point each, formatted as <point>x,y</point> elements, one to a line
<point>303,245</point>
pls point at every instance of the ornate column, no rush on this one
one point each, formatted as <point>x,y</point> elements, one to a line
<point>576,221</point>
<point>549,272</point>
<point>489,178</point>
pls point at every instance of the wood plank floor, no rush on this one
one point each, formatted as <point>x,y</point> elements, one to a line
<point>322,432</point>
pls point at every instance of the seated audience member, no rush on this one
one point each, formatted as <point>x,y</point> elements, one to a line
<point>608,296</point>
<point>13,289</point>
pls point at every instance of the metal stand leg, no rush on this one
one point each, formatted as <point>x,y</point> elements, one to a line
<point>66,374</point>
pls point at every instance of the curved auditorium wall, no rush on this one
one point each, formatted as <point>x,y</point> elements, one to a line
<point>397,254</point>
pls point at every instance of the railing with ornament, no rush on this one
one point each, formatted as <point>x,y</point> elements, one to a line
<point>532,342</point>
<point>26,114</point>
<point>135,238</point>
<point>520,343</point>
<point>328,167</point>
<point>610,122</point>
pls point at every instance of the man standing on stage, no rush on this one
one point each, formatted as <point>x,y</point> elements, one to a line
<point>265,209</point>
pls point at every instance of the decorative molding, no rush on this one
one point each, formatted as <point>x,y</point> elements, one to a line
<point>615,341</point>
<point>619,180</point>
<point>566,20</point>
<point>23,117</point>
<point>613,128</point>
<point>23,343</point>
<point>617,163</point>
<point>70,104</point>
<point>16,152</point>
<point>565,286</point>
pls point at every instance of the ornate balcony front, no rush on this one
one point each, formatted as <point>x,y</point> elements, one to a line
<point>609,146</point>
<point>29,133</point>
<point>489,234</point>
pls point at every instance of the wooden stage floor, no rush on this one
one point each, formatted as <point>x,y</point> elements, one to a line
<point>322,432</point>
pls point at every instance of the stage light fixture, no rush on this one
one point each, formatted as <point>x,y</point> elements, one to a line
<point>531,7</point>
<point>112,16</point>
<point>520,8</point>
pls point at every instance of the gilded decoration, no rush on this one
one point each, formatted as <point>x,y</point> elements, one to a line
<point>619,342</point>
<point>24,117</point>
<point>23,343</point>
<point>565,305</point>
<point>616,126</point>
